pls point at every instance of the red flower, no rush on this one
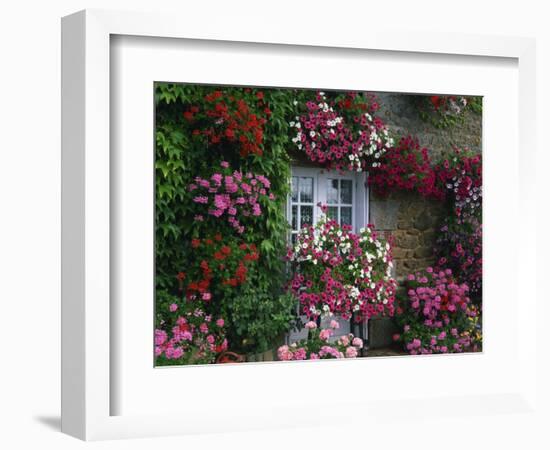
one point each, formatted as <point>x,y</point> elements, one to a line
<point>260,95</point>
<point>181,276</point>
<point>188,115</point>
<point>195,243</point>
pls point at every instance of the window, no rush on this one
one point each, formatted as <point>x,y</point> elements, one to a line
<point>340,200</point>
<point>302,204</point>
<point>345,194</point>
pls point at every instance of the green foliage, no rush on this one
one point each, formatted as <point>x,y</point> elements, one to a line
<point>446,111</point>
<point>183,153</point>
<point>257,320</point>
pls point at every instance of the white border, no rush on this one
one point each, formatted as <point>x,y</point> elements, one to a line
<point>85,197</point>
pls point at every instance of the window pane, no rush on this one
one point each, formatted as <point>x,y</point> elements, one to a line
<point>345,215</point>
<point>332,213</point>
<point>294,217</point>
<point>332,191</point>
<point>306,190</point>
<point>306,215</point>
<point>346,191</point>
<point>294,190</point>
<point>293,237</point>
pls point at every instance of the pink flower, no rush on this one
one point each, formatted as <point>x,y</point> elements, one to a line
<point>203,328</point>
<point>351,352</point>
<point>210,339</point>
<point>300,354</point>
<point>344,340</point>
<point>173,307</point>
<point>220,322</point>
<point>284,353</point>
<point>224,164</point>
<point>314,356</point>
<point>324,335</point>
<point>311,325</point>
<point>186,336</point>
<point>160,337</point>
<point>357,342</point>
<point>206,296</point>
<point>334,324</point>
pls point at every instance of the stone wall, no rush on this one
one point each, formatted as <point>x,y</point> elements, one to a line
<point>411,219</point>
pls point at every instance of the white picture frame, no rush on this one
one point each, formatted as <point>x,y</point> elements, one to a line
<point>87,326</point>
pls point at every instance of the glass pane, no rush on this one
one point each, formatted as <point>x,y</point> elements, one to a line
<point>346,192</point>
<point>306,190</point>
<point>332,213</point>
<point>345,215</point>
<point>293,237</point>
<point>332,191</point>
<point>294,189</point>
<point>306,215</point>
<point>294,217</point>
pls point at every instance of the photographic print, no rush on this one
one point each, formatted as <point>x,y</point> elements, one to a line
<point>306,224</point>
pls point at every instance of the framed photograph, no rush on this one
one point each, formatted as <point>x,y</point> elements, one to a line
<point>248,218</point>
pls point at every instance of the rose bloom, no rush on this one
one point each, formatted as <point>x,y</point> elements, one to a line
<point>334,324</point>
<point>220,322</point>
<point>173,307</point>
<point>357,342</point>
<point>344,341</point>
<point>351,352</point>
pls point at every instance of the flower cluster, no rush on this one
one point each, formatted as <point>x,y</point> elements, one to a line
<point>437,316</point>
<point>461,176</point>
<point>321,345</point>
<point>442,110</point>
<point>406,167</point>
<point>219,266</point>
<point>459,247</point>
<point>194,338</point>
<point>230,195</point>
<point>340,272</point>
<point>231,117</point>
<point>343,133</point>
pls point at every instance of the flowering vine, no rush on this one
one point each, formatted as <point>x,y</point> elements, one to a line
<point>231,117</point>
<point>230,195</point>
<point>219,267</point>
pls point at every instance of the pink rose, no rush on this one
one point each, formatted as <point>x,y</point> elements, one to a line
<point>334,324</point>
<point>173,307</point>
<point>220,322</point>
<point>351,352</point>
<point>357,342</point>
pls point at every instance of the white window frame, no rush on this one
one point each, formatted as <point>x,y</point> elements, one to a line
<point>360,209</point>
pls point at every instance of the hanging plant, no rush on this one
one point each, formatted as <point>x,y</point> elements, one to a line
<point>340,272</point>
<point>341,132</point>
